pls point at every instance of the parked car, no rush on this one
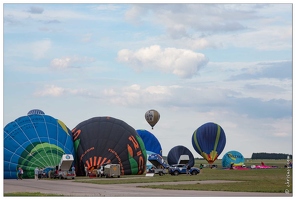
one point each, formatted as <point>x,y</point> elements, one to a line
<point>181,169</point>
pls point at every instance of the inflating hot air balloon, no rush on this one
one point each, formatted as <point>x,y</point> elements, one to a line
<point>209,141</point>
<point>177,151</point>
<point>233,157</point>
<point>150,141</point>
<point>152,117</point>
<point>102,140</point>
<point>36,140</point>
<point>152,145</point>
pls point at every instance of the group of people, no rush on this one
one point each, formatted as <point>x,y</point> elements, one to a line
<point>38,173</point>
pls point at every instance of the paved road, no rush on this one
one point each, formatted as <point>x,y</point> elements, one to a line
<point>71,188</point>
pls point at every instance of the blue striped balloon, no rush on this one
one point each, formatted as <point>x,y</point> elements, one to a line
<point>209,141</point>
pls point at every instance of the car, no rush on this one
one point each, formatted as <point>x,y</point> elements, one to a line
<point>177,169</point>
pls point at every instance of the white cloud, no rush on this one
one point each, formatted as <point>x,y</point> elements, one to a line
<point>56,91</point>
<point>70,62</point>
<point>181,62</point>
<point>51,91</point>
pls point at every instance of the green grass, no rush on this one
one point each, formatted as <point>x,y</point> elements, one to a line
<point>260,180</point>
<point>253,180</point>
<point>31,194</point>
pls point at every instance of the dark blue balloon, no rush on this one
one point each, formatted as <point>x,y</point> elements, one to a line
<point>175,153</point>
<point>209,141</point>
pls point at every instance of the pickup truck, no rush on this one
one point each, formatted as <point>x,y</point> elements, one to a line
<point>181,169</point>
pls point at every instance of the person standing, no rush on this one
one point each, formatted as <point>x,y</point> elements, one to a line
<point>73,170</point>
<point>201,166</point>
<point>86,170</point>
<point>188,169</point>
<point>20,173</point>
<point>36,172</point>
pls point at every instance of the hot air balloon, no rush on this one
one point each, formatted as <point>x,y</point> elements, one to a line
<point>152,117</point>
<point>177,151</point>
<point>35,112</point>
<point>209,141</point>
<point>101,140</point>
<point>150,141</point>
<point>35,141</point>
<point>152,145</point>
<point>232,157</point>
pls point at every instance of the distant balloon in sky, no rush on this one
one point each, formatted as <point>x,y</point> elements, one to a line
<point>209,141</point>
<point>232,157</point>
<point>36,112</point>
<point>35,141</point>
<point>152,117</point>
<point>175,153</point>
<point>151,142</point>
<point>102,140</point>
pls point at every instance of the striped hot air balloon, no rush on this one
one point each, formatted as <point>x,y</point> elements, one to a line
<point>209,141</point>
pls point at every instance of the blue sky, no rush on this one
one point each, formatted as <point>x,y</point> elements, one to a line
<point>194,63</point>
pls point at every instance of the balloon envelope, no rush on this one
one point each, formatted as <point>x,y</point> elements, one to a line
<point>209,141</point>
<point>152,117</point>
<point>150,141</point>
<point>102,140</point>
<point>36,112</point>
<point>232,157</point>
<point>175,153</point>
<point>35,141</point>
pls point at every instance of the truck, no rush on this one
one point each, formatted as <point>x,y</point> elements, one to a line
<point>63,170</point>
<point>109,170</point>
<point>159,165</point>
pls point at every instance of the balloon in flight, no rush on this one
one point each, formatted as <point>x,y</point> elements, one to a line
<point>152,117</point>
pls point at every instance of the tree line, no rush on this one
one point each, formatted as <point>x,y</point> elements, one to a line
<point>271,156</point>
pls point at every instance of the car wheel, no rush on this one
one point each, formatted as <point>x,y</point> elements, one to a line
<point>176,173</point>
<point>160,173</point>
<point>194,172</point>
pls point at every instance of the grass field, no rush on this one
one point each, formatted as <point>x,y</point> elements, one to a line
<point>253,180</point>
<point>277,180</point>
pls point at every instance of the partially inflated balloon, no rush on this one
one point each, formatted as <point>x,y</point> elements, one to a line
<point>209,141</point>
<point>35,141</point>
<point>102,140</point>
<point>233,157</point>
<point>175,153</point>
<point>152,117</point>
<point>151,142</point>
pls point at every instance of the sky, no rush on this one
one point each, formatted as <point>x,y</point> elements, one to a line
<point>194,63</point>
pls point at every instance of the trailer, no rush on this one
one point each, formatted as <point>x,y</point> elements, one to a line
<point>159,165</point>
<point>111,170</point>
<point>64,168</point>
